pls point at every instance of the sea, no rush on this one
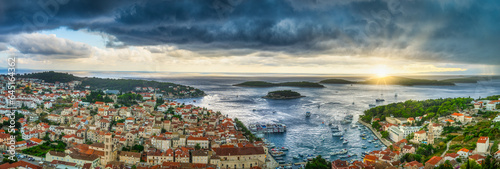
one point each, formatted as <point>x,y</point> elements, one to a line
<point>307,136</point>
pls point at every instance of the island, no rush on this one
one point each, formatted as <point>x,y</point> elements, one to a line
<point>268,84</point>
<point>168,90</point>
<point>394,80</point>
<point>337,81</point>
<point>282,95</point>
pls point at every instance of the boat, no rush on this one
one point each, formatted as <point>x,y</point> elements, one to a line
<point>337,134</point>
<point>354,126</point>
<point>380,99</point>
<point>308,114</point>
<point>371,105</point>
<point>330,123</point>
<point>376,146</point>
<point>274,112</point>
<point>345,156</point>
<point>284,149</point>
<point>343,151</point>
<point>352,103</point>
<point>296,157</point>
<point>345,142</point>
<point>396,95</point>
<point>310,158</point>
<point>194,101</point>
<point>369,141</point>
<point>364,147</point>
<point>341,138</point>
<point>301,155</point>
<point>281,161</point>
<point>364,138</point>
<point>278,153</point>
<point>335,128</point>
<point>375,138</point>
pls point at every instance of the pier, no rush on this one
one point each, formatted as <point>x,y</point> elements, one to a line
<point>384,141</point>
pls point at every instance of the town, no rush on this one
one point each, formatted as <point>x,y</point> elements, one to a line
<point>60,126</point>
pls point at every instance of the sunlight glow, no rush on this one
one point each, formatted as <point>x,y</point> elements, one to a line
<point>381,71</point>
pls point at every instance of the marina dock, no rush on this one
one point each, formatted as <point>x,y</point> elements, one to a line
<point>384,141</point>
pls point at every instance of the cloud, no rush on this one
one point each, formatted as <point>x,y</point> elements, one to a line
<point>3,47</point>
<point>49,46</point>
<point>424,30</point>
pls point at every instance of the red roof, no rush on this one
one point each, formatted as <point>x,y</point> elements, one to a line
<point>482,139</point>
<point>420,132</point>
<point>434,160</point>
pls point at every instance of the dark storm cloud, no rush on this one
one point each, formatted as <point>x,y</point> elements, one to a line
<point>452,31</point>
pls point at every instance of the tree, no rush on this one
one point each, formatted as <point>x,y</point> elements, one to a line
<point>471,164</point>
<point>197,146</point>
<point>318,163</point>
<point>385,134</point>
<point>446,165</point>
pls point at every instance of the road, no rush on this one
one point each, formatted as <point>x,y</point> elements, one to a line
<point>447,148</point>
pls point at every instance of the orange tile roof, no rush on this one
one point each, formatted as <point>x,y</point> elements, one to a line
<point>434,160</point>
<point>482,139</point>
<point>464,150</point>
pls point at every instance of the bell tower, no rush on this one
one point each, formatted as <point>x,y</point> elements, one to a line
<point>108,149</point>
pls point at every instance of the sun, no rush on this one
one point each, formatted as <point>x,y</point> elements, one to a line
<point>381,71</point>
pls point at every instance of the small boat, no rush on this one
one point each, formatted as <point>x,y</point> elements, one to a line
<point>345,129</point>
<point>396,95</point>
<point>335,128</point>
<point>345,142</point>
<point>194,101</point>
<point>300,155</point>
<point>375,138</point>
<point>308,114</point>
<point>253,110</point>
<point>284,149</point>
<point>281,161</point>
<point>369,141</point>
<point>310,158</point>
<point>376,146</point>
<point>371,105</point>
<point>364,147</point>
<point>341,138</point>
<point>364,138</point>
<point>274,112</point>
<point>296,157</point>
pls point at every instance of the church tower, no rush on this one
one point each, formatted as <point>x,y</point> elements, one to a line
<point>108,149</point>
<point>430,135</point>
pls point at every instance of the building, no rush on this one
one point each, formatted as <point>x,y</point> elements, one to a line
<point>79,159</point>
<point>199,157</point>
<point>202,141</point>
<point>414,165</point>
<point>464,153</point>
<point>482,144</point>
<point>398,133</point>
<point>240,157</point>
<point>340,164</point>
<point>434,161</point>
<point>130,158</point>
<point>420,136</point>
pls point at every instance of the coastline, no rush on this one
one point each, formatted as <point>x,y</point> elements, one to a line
<point>384,141</point>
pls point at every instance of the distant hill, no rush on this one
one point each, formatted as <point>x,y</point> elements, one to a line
<point>337,81</point>
<point>394,80</point>
<point>268,84</point>
<point>124,85</point>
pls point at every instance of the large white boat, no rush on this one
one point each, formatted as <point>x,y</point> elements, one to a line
<point>337,134</point>
<point>343,151</point>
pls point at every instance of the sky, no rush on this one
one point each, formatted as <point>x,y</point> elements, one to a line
<point>456,37</point>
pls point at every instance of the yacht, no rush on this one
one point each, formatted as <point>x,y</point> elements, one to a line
<point>308,114</point>
<point>337,134</point>
<point>335,128</point>
<point>343,151</point>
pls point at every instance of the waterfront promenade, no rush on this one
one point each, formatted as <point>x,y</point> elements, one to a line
<point>383,140</point>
